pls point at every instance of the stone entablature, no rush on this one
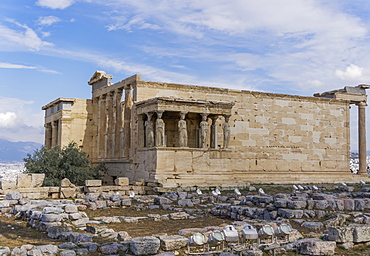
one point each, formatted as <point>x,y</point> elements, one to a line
<point>181,135</point>
<point>183,111</point>
<point>184,105</point>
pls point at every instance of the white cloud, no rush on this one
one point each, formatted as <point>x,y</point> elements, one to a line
<point>48,20</point>
<point>291,18</point>
<point>22,110</point>
<point>45,34</point>
<point>351,73</point>
<point>55,4</point>
<point>10,65</point>
<point>50,71</point>
<point>17,66</point>
<point>291,41</point>
<point>24,38</point>
<point>8,119</point>
<point>18,122</point>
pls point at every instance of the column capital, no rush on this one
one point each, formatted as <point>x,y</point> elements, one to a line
<point>204,116</point>
<point>183,114</point>
<point>214,119</point>
<point>159,113</point>
<point>119,90</point>
<point>362,104</point>
<point>149,114</point>
<point>127,86</point>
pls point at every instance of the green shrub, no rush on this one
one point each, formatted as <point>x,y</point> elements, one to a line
<point>58,163</point>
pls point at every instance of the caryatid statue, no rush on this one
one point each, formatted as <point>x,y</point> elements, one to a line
<point>204,129</point>
<point>159,130</point>
<point>183,133</point>
<point>149,134</point>
<point>226,129</point>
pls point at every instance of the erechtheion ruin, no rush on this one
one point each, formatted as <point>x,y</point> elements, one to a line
<point>185,135</point>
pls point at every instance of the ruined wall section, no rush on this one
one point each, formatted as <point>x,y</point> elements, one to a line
<point>274,137</point>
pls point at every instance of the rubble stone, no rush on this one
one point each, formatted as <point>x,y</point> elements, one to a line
<point>144,245</point>
<point>315,246</point>
<point>174,242</point>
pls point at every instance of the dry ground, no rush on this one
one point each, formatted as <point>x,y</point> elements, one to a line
<point>14,233</point>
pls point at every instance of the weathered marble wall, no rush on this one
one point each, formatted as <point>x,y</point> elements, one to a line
<point>273,137</point>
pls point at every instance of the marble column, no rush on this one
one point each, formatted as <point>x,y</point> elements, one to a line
<point>54,133</point>
<point>106,125</point>
<point>95,130</point>
<point>204,131</point>
<point>110,124</point>
<point>214,132</point>
<point>127,121</point>
<point>159,130</point>
<point>183,132</point>
<point>362,138</point>
<point>48,135</point>
<point>101,126</point>
<point>149,133</point>
<point>118,123</point>
<point>60,130</point>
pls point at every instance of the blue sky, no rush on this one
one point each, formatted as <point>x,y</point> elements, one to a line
<point>50,49</point>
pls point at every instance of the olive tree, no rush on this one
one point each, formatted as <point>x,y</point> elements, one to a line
<point>58,163</point>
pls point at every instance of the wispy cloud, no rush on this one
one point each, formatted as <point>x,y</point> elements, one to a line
<point>47,20</point>
<point>296,42</point>
<point>20,38</point>
<point>55,4</point>
<point>10,65</point>
<point>18,66</point>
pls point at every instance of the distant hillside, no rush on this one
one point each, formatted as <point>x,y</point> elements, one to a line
<point>16,151</point>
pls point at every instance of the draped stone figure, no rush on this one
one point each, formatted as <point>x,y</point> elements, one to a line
<point>183,133</point>
<point>226,129</point>
<point>149,131</point>
<point>204,129</point>
<point>159,130</point>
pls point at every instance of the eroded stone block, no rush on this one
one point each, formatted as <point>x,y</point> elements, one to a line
<point>93,183</point>
<point>121,181</point>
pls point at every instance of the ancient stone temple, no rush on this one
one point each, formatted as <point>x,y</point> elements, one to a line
<point>185,135</point>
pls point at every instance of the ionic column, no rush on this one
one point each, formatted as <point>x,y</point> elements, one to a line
<point>54,133</point>
<point>110,125</point>
<point>118,125</point>
<point>127,121</point>
<point>214,132</point>
<point>362,138</point>
<point>48,135</point>
<point>101,126</point>
<point>95,129</point>
<point>108,102</point>
<point>59,133</point>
